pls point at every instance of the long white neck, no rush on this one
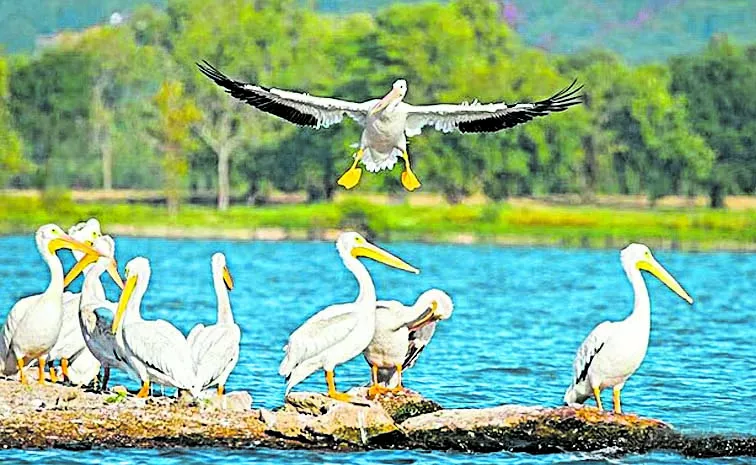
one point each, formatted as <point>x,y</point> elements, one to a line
<point>225,316</point>
<point>92,289</point>
<point>642,305</point>
<point>132,313</point>
<point>412,313</point>
<point>367,288</point>
<point>56,274</point>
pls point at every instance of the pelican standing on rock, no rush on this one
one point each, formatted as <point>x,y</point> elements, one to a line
<point>215,348</point>
<point>96,314</point>
<point>614,350</point>
<point>70,344</point>
<point>389,121</point>
<point>401,334</point>
<point>34,322</point>
<point>339,332</point>
<point>154,350</point>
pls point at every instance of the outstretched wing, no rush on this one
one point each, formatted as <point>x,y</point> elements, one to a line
<point>589,349</point>
<point>301,109</point>
<point>490,117</point>
<point>418,340</point>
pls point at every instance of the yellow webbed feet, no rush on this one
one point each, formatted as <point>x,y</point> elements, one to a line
<point>409,180</point>
<point>351,178</point>
<point>145,390</point>
<point>341,396</point>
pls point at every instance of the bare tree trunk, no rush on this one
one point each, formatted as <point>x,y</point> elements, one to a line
<point>223,181</point>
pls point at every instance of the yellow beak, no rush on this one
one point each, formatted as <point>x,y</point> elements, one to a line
<point>128,289</point>
<point>384,102</point>
<point>655,268</point>
<point>426,317</point>
<point>228,279</point>
<point>376,253</point>
<point>78,268</point>
<point>68,242</point>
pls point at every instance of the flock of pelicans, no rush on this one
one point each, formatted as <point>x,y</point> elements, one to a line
<point>85,331</point>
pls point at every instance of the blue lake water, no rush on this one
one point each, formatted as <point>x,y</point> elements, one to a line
<point>520,314</point>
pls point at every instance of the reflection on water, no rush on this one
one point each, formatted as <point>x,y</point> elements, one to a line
<point>519,316</point>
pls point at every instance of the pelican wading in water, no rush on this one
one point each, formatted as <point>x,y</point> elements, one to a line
<point>96,315</point>
<point>215,348</point>
<point>339,332</point>
<point>389,121</point>
<point>401,334</point>
<point>614,350</point>
<point>154,350</point>
<point>34,322</point>
<point>70,345</point>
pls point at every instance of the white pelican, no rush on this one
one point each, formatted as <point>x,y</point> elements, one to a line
<point>339,332</point>
<point>614,350</point>
<point>389,121</point>
<point>215,348</point>
<point>154,350</point>
<point>70,344</point>
<point>401,333</point>
<point>95,318</point>
<point>33,324</point>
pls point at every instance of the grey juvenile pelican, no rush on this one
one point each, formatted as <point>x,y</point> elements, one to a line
<point>339,332</point>
<point>155,350</point>
<point>614,350</point>
<point>215,348</point>
<point>401,333</point>
<point>389,121</point>
<point>95,318</point>
<point>33,324</point>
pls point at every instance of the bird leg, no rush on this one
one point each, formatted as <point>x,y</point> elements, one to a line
<point>617,403</point>
<point>597,395</point>
<point>41,370</point>
<point>145,390</point>
<point>353,174</point>
<point>64,369</point>
<point>375,389</point>
<point>105,378</point>
<point>409,180</point>
<point>20,365</point>
<point>399,387</point>
<point>332,392</point>
<point>220,390</point>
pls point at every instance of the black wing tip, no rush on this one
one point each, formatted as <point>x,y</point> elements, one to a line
<point>212,72</point>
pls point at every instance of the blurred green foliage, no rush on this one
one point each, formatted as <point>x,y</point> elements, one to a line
<point>125,107</point>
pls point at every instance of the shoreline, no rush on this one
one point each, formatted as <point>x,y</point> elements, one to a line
<point>66,417</point>
<point>281,234</point>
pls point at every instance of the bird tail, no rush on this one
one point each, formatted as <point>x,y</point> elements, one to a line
<point>375,161</point>
<point>300,372</point>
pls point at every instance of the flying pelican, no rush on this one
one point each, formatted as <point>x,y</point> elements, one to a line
<point>614,350</point>
<point>33,324</point>
<point>401,333</point>
<point>70,344</point>
<point>154,350</point>
<point>339,332</point>
<point>95,320</point>
<point>215,348</point>
<point>389,121</point>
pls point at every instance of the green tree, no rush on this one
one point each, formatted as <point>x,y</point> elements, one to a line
<point>175,115</point>
<point>718,87</point>
<point>12,159</point>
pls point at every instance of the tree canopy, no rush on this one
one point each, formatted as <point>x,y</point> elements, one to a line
<point>124,105</point>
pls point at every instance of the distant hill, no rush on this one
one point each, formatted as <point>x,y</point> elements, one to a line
<point>640,30</point>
